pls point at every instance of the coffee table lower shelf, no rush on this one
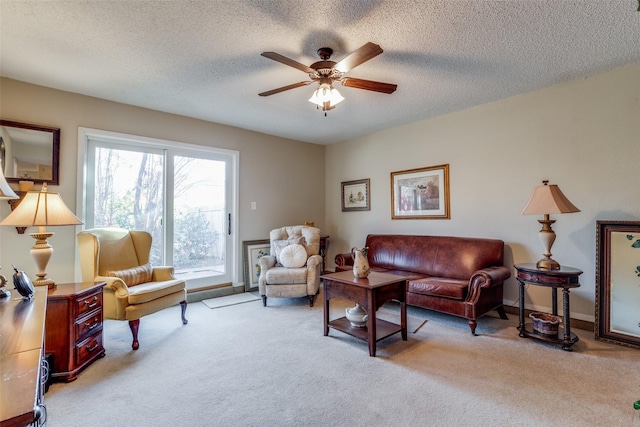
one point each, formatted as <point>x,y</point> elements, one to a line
<point>384,329</point>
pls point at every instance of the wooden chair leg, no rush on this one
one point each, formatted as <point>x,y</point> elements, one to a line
<point>134,325</point>
<point>312,299</point>
<point>183,305</point>
<point>264,300</point>
<point>472,325</point>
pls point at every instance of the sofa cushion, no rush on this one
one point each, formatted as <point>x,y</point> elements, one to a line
<point>133,276</point>
<point>293,256</point>
<point>440,287</point>
<point>150,291</point>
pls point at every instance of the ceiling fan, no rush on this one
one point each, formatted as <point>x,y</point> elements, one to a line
<point>326,72</point>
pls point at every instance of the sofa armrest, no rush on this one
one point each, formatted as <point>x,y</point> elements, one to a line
<point>486,278</point>
<point>493,275</point>
<point>345,259</point>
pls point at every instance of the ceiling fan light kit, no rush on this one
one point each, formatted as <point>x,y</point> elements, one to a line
<point>326,72</point>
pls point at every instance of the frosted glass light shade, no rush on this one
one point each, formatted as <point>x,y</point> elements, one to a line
<point>326,93</point>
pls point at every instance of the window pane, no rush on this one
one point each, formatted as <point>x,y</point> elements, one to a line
<point>128,193</point>
<point>199,217</point>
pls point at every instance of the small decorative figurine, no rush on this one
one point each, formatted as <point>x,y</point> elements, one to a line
<point>23,284</point>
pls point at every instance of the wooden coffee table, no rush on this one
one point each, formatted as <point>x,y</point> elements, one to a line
<point>371,293</point>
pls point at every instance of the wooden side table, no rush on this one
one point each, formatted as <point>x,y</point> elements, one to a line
<point>74,328</point>
<point>565,278</point>
<point>371,293</point>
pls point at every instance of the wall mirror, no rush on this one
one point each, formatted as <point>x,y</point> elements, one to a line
<point>618,282</point>
<point>29,152</point>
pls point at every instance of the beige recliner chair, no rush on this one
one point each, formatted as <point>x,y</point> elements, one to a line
<point>292,270</point>
<point>134,288</point>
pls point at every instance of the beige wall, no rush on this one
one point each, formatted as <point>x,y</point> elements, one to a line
<point>285,178</point>
<point>583,136</point>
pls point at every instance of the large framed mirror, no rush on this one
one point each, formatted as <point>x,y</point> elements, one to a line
<point>618,282</point>
<point>29,152</point>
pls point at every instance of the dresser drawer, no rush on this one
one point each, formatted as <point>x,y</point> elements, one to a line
<point>88,348</point>
<point>87,325</point>
<point>88,302</point>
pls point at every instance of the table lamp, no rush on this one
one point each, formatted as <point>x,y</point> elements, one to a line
<point>547,199</point>
<point>41,209</point>
<point>5,193</point>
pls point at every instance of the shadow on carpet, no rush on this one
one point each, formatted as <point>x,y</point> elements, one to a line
<point>390,315</point>
<point>230,300</point>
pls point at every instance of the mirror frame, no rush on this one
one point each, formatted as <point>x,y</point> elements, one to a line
<point>55,159</point>
<point>604,230</point>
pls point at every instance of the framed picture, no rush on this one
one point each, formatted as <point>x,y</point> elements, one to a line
<point>420,193</point>
<point>252,251</point>
<point>355,195</point>
<point>617,317</point>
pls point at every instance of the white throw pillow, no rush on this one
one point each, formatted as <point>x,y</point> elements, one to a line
<point>293,256</point>
<point>279,245</point>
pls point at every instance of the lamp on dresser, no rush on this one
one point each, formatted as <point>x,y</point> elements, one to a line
<point>5,193</point>
<point>545,200</point>
<point>41,209</point>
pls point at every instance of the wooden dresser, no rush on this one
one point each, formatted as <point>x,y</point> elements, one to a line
<point>74,328</point>
<point>22,368</point>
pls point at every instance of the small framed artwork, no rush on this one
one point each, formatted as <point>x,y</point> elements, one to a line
<point>355,195</point>
<point>420,193</point>
<point>252,251</point>
<point>617,317</point>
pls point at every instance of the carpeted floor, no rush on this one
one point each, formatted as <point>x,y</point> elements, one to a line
<point>248,365</point>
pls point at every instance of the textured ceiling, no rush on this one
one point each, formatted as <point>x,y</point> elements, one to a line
<point>202,58</point>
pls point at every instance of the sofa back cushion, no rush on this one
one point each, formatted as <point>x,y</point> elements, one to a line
<point>440,256</point>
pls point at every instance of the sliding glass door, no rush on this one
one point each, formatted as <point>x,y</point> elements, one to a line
<point>183,197</point>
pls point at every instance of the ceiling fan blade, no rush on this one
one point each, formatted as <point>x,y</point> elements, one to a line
<point>368,85</point>
<point>357,57</point>
<point>283,88</point>
<point>286,61</point>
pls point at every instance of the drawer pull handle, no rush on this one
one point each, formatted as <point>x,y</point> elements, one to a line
<point>93,303</point>
<point>90,326</point>
<point>91,348</point>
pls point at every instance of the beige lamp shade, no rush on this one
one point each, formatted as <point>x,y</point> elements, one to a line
<point>41,209</point>
<point>5,190</point>
<point>548,199</point>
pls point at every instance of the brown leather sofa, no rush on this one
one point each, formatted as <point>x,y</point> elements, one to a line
<point>456,275</point>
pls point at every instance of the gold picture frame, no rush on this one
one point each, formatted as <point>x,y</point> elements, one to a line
<point>421,193</point>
